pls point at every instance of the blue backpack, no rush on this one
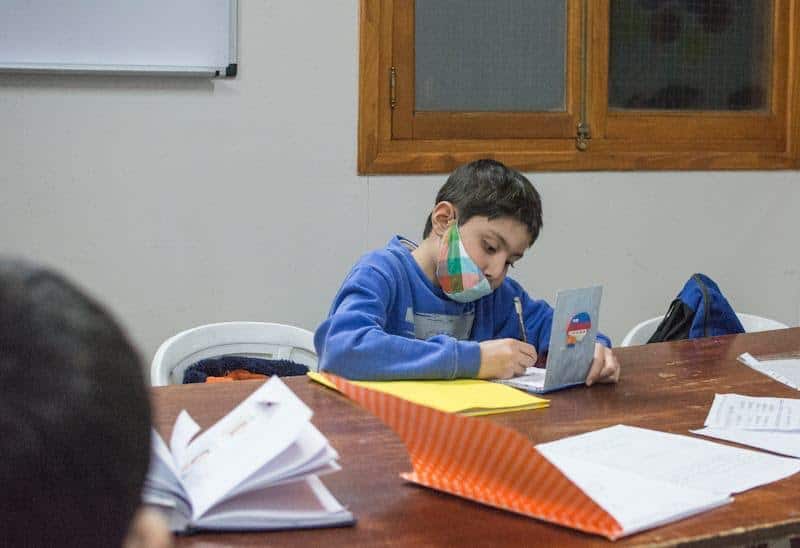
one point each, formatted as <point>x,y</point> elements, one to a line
<point>700,310</point>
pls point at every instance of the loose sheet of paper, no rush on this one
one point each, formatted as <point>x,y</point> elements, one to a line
<point>637,502</point>
<point>772,424</point>
<point>745,412</point>
<point>786,371</point>
<point>783,443</point>
<point>644,459</point>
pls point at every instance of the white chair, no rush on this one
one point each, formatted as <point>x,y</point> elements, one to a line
<point>642,332</point>
<point>258,339</point>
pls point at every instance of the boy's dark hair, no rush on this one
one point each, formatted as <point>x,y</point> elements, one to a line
<point>490,189</point>
<point>74,415</point>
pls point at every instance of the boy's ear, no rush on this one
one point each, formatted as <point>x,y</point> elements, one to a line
<point>442,215</point>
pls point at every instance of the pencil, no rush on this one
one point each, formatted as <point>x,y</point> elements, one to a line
<point>518,308</point>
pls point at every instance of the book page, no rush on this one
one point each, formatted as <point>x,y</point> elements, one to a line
<point>182,433</point>
<point>162,481</point>
<point>245,440</point>
<point>309,454</point>
<point>302,503</point>
<point>162,486</point>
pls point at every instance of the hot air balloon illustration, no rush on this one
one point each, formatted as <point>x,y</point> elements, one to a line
<point>577,328</point>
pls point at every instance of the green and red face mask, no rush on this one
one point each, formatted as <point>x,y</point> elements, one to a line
<point>458,275</point>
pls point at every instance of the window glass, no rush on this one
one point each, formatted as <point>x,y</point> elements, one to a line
<point>499,55</point>
<point>690,54</point>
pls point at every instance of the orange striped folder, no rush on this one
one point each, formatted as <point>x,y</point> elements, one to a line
<point>483,461</point>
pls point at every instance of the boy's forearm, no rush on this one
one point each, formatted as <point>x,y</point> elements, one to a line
<point>373,354</point>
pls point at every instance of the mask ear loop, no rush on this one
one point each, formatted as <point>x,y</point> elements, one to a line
<point>449,224</point>
<point>455,216</point>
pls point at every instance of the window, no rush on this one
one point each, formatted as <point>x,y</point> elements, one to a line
<point>579,84</point>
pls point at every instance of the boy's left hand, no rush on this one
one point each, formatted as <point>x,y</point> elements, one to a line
<point>605,367</point>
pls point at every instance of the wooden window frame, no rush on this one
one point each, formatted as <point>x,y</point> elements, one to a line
<point>409,124</point>
<point>398,140</point>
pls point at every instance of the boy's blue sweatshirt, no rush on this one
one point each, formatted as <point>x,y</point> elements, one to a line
<point>388,321</point>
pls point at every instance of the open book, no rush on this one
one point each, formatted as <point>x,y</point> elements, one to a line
<point>257,468</point>
<point>612,482</point>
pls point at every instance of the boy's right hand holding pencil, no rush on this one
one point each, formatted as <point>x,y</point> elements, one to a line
<point>505,358</point>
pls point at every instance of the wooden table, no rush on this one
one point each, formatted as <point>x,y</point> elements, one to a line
<point>667,387</point>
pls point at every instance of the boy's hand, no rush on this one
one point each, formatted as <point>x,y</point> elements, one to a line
<point>605,367</point>
<point>505,358</point>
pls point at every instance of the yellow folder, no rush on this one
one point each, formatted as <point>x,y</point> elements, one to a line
<point>465,396</point>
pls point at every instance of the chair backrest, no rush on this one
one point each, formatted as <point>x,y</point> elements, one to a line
<point>257,339</point>
<point>642,332</point>
<point>754,324</point>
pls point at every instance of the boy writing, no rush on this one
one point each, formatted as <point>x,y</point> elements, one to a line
<point>445,309</point>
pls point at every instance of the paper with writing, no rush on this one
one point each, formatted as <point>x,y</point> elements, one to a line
<point>751,413</point>
<point>675,459</point>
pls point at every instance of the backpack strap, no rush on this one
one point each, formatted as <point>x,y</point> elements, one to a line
<point>675,325</point>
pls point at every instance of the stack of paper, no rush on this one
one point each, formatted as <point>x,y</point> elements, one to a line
<point>255,469</point>
<point>466,396</point>
<point>611,482</point>
<point>767,423</point>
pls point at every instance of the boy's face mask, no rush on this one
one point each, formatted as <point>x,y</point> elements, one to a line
<point>458,275</point>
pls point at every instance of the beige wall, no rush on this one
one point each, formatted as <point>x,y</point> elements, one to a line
<point>181,202</point>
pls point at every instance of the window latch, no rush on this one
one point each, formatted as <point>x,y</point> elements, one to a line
<point>582,137</point>
<point>393,88</point>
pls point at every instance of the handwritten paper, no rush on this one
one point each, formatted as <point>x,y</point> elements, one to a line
<point>744,412</point>
<point>672,458</point>
<point>772,424</point>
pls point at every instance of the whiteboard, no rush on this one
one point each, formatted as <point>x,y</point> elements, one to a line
<point>187,37</point>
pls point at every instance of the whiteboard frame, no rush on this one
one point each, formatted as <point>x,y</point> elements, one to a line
<point>228,71</point>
